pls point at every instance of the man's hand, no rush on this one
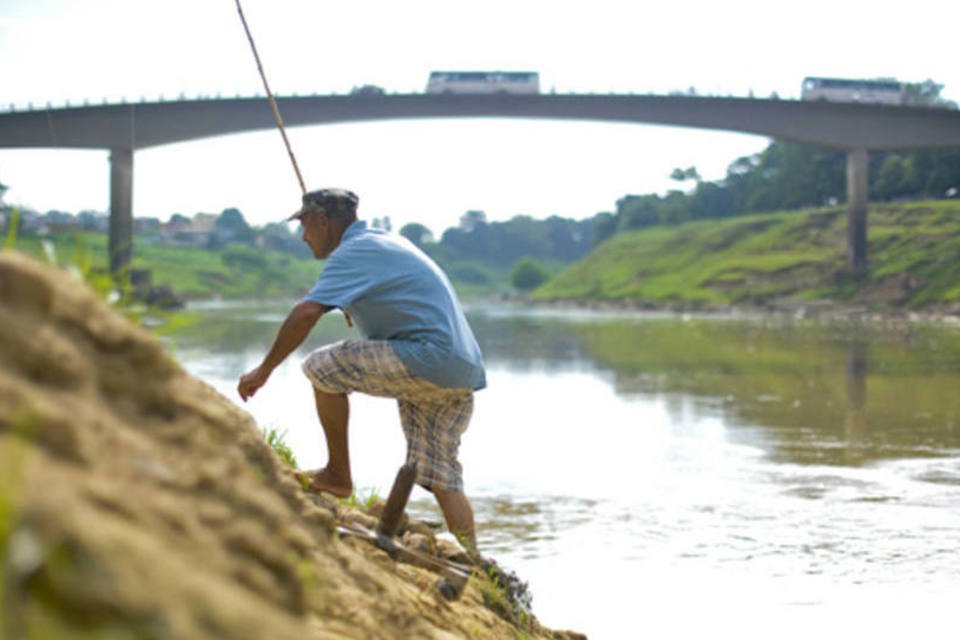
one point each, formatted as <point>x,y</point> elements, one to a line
<point>251,381</point>
<point>292,333</point>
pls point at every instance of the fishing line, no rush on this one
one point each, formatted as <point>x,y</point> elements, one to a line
<point>273,102</point>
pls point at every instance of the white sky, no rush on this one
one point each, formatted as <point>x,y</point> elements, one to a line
<point>432,171</point>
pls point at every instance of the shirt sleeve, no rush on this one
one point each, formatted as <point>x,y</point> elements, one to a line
<point>340,283</point>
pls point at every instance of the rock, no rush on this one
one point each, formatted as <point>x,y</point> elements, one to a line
<point>449,549</point>
<point>351,516</point>
<point>420,542</point>
<point>163,297</point>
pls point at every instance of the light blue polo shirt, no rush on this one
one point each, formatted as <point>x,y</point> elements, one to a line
<point>393,291</point>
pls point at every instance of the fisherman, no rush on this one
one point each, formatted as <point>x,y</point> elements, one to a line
<point>417,347</point>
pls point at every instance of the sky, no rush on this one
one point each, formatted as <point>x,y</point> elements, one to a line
<point>432,171</point>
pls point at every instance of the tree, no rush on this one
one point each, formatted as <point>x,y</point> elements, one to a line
<point>682,175</point>
<point>893,178</point>
<point>710,200</point>
<point>637,212</point>
<point>472,219</point>
<point>244,258</point>
<point>231,220</point>
<point>230,226</point>
<point>382,223</point>
<point>604,226</point>
<point>528,274</point>
<point>925,94</point>
<point>936,171</point>
<point>277,236</point>
<point>417,233</point>
<point>786,176</point>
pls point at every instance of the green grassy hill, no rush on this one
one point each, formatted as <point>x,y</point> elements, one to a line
<point>776,258</point>
<point>233,272</point>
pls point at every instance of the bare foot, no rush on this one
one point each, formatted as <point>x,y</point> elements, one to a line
<point>324,480</point>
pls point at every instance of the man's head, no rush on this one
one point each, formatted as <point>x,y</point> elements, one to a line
<point>324,214</point>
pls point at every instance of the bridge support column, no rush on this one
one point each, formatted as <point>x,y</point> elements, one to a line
<point>857,164</point>
<point>121,210</point>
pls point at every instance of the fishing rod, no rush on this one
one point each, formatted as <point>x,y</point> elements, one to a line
<point>273,102</point>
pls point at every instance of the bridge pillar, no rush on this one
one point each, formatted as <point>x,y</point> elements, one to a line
<point>857,164</point>
<point>121,210</point>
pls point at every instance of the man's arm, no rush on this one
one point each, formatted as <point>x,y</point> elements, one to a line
<point>291,335</point>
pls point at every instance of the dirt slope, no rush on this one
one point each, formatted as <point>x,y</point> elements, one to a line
<point>136,502</point>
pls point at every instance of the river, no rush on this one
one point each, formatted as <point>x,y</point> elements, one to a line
<point>678,476</point>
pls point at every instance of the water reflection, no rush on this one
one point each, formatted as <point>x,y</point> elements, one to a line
<point>855,424</point>
<point>799,390</point>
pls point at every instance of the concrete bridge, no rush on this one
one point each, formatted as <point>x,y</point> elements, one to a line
<point>122,129</point>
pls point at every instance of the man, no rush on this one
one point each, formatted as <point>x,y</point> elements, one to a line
<point>417,348</point>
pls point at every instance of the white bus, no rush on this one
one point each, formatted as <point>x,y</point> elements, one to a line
<point>883,91</point>
<point>484,82</point>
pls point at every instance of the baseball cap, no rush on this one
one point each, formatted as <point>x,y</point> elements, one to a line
<point>333,202</point>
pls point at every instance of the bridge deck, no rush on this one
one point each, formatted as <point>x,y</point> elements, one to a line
<point>149,124</point>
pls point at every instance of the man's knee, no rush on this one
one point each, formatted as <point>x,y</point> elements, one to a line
<point>325,394</point>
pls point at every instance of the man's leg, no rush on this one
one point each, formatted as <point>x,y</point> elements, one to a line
<point>333,409</point>
<point>459,516</point>
<point>432,425</point>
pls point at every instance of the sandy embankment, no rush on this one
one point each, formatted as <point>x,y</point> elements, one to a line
<point>136,502</point>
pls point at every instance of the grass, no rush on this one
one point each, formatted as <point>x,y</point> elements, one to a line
<point>275,439</point>
<point>237,271</point>
<point>783,255</point>
<point>14,457</point>
<point>10,481</point>
<point>195,273</point>
<point>200,273</point>
<point>12,229</point>
<point>361,500</point>
<point>506,595</point>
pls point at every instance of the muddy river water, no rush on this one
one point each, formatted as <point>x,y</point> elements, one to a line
<point>676,476</point>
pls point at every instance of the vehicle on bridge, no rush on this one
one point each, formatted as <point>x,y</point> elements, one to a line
<point>881,91</point>
<point>527,82</point>
<point>367,90</point>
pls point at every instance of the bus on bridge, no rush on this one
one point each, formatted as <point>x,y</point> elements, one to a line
<point>882,91</point>
<point>525,82</point>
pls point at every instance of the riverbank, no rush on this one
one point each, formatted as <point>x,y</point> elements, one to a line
<point>820,310</point>
<point>136,501</point>
<point>792,260</point>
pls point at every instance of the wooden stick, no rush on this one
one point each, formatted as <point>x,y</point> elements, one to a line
<point>397,502</point>
<point>454,576</point>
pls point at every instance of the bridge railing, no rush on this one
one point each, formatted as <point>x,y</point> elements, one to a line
<point>49,105</point>
<point>32,106</point>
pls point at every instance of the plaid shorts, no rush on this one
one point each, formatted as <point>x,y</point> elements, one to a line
<point>433,417</point>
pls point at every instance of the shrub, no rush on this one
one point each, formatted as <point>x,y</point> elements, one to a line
<point>528,274</point>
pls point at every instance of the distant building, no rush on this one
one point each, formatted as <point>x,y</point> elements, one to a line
<point>203,222</point>
<point>146,225</point>
<point>93,221</point>
<point>192,232</point>
<point>59,221</point>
